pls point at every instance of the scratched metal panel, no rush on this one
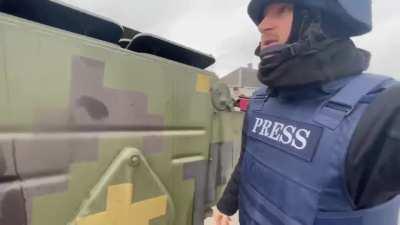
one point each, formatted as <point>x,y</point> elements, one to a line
<point>40,157</point>
<point>7,164</point>
<point>12,204</point>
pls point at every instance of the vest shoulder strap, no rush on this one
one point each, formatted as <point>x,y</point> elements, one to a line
<point>260,92</point>
<point>331,113</point>
<point>259,97</point>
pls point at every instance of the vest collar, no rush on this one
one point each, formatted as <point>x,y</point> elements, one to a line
<point>311,91</point>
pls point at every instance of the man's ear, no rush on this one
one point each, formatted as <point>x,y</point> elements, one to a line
<point>257,50</point>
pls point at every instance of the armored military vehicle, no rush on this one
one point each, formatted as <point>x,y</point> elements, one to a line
<point>104,125</point>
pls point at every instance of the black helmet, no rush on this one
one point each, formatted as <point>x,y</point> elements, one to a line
<point>353,17</point>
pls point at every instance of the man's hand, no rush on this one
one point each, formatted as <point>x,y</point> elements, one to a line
<point>220,218</point>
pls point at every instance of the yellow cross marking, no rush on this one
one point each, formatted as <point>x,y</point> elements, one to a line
<point>120,211</point>
<point>203,83</point>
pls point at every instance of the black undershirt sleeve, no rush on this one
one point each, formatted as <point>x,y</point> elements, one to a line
<point>229,202</point>
<point>373,160</point>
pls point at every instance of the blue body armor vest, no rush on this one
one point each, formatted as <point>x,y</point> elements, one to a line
<point>293,168</point>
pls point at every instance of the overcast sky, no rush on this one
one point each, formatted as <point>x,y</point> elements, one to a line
<point>223,29</point>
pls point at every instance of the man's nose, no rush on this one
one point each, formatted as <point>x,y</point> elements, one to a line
<point>266,24</point>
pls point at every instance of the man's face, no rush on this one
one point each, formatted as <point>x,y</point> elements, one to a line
<point>276,26</point>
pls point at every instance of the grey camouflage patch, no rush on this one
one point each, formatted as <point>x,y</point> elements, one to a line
<point>7,164</point>
<point>220,167</point>
<point>12,204</point>
<point>43,164</point>
<point>110,108</point>
<point>225,162</point>
<point>212,173</point>
<point>153,145</point>
<point>198,171</point>
<point>116,108</point>
<point>40,157</point>
<point>41,186</point>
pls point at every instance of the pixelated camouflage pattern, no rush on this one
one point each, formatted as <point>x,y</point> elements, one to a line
<point>69,105</point>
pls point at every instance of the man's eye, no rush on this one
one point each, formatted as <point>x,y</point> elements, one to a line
<point>278,10</point>
<point>283,9</point>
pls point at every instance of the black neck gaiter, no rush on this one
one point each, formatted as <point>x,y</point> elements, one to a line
<point>339,59</point>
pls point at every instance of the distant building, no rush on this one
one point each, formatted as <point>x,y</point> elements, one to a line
<point>242,81</point>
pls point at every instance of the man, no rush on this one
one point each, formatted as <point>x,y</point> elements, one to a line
<point>321,144</point>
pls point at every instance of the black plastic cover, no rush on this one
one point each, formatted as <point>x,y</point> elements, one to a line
<point>151,44</point>
<point>59,15</point>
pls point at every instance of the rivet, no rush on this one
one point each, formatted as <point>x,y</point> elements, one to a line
<point>135,161</point>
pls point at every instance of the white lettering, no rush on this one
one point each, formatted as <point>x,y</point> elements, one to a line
<point>288,134</point>
<point>282,133</point>
<point>275,133</point>
<point>264,131</point>
<point>257,124</point>
<point>301,139</point>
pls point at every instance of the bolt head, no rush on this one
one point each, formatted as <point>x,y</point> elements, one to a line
<point>134,161</point>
